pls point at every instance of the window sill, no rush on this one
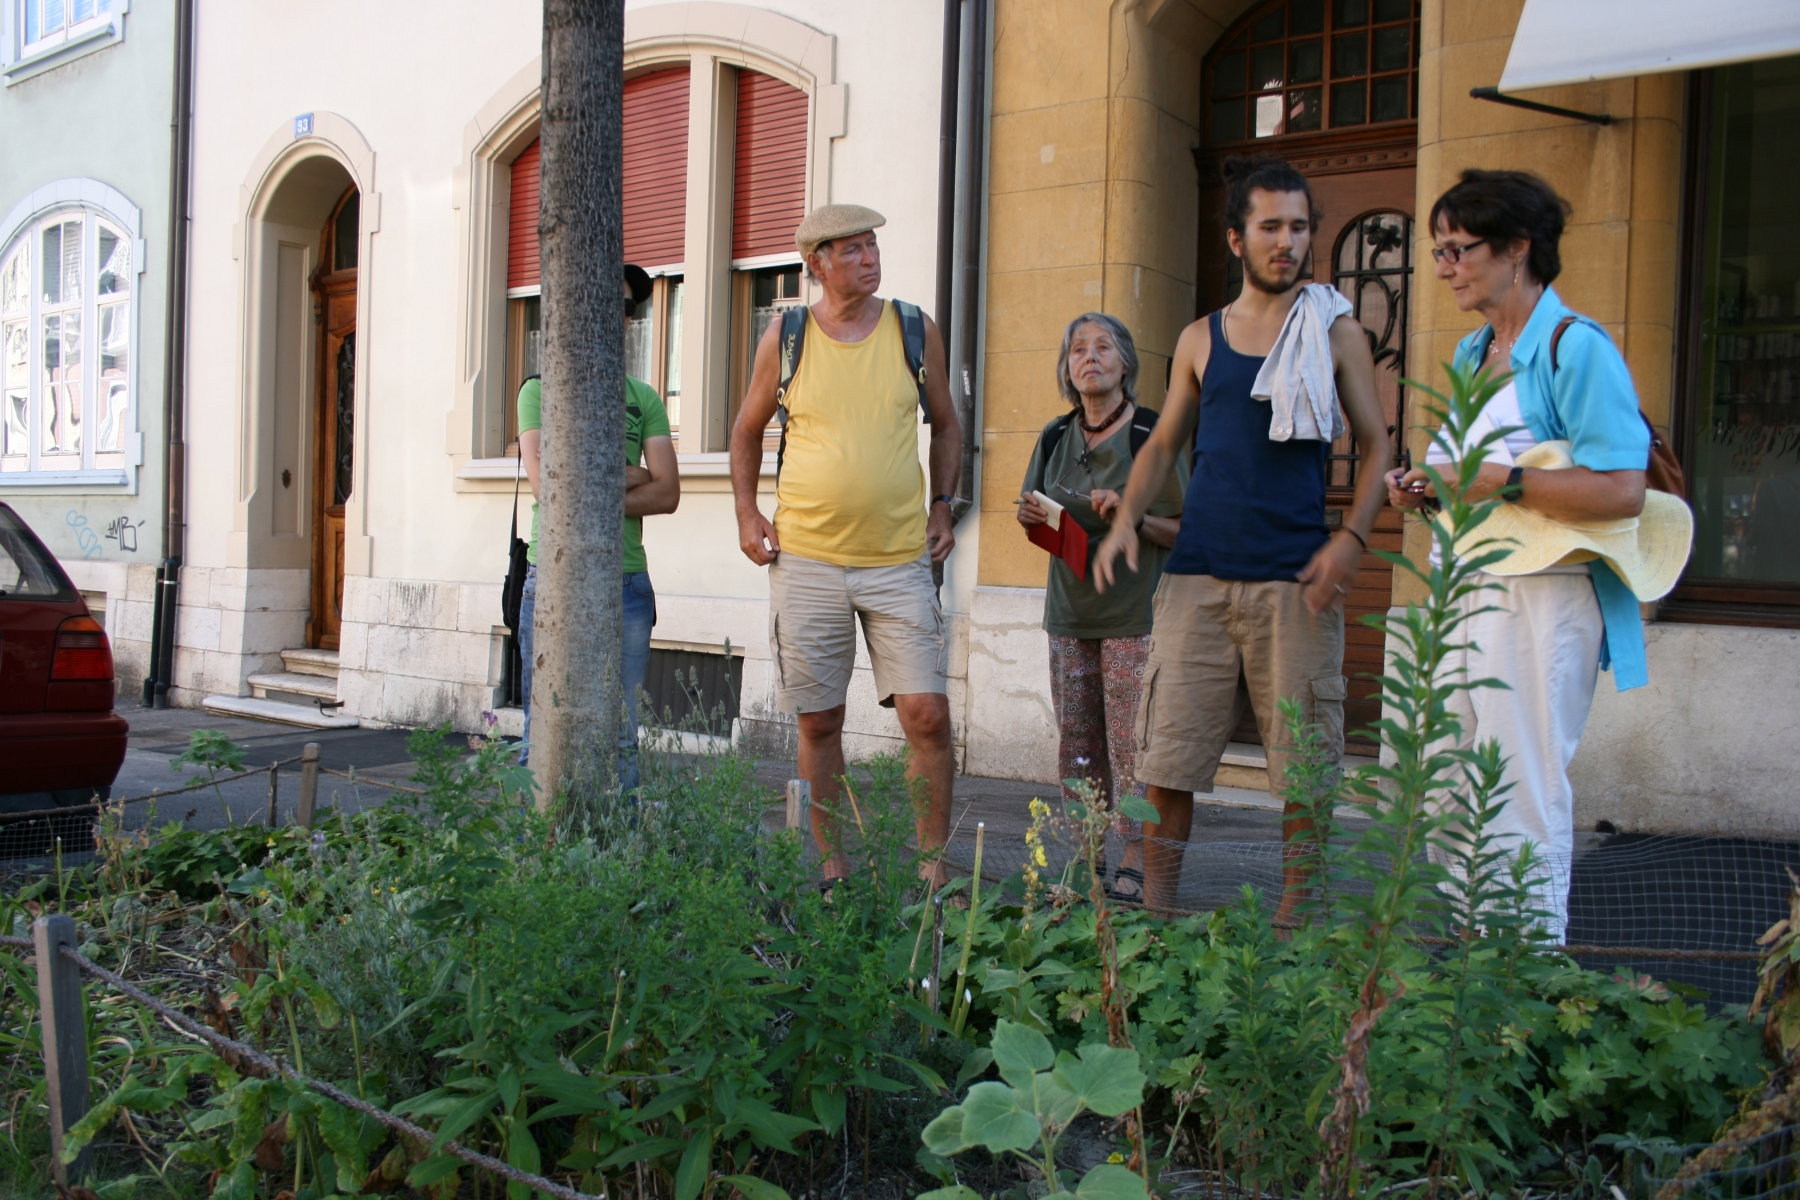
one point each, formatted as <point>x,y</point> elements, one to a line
<point>12,479</point>
<point>97,38</point>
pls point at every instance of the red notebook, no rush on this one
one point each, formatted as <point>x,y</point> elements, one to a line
<point>1062,535</point>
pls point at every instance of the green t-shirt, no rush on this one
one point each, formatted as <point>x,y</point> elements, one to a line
<point>645,418</point>
<point>1073,607</point>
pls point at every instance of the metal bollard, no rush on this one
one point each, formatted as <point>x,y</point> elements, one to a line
<point>309,784</point>
<point>65,1039</point>
<point>799,805</point>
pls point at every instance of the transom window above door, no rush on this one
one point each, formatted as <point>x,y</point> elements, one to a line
<point>66,347</point>
<point>1307,66</point>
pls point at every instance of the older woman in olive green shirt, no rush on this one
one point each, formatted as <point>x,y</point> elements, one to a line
<point>1099,643</point>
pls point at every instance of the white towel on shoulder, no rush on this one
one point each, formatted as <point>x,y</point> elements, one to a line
<point>1297,378</point>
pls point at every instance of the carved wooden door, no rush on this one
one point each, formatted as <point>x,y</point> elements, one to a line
<point>334,290</point>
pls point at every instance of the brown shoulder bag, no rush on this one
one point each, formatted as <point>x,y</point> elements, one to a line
<point>1663,472</point>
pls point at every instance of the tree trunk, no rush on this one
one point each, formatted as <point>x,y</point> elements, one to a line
<point>576,702</point>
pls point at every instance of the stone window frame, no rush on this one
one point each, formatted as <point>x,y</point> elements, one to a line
<point>19,62</point>
<point>714,39</point>
<point>94,200</point>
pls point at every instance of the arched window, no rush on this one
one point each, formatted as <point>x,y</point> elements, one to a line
<point>1306,66</point>
<point>67,279</point>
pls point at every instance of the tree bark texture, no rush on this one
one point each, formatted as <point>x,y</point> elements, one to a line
<point>576,701</point>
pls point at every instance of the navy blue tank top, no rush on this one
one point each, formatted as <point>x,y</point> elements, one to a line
<point>1255,509</point>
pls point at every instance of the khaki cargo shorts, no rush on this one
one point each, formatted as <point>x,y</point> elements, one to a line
<point>1206,631</point>
<point>813,610</point>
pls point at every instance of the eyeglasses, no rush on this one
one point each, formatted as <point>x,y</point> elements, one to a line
<point>1453,254</point>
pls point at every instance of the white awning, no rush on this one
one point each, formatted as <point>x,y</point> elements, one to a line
<point>1577,41</point>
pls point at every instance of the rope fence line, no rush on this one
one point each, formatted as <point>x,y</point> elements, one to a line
<point>60,1010</point>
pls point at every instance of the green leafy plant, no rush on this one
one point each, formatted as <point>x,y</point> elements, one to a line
<point>214,753</point>
<point>1027,1110</point>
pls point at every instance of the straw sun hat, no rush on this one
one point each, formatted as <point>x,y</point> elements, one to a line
<point>1648,551</point>
<point>833,221</point>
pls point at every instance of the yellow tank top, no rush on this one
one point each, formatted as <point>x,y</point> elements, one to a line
<point>852,491</point>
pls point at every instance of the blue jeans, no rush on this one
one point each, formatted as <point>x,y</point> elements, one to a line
<point>634,663</point>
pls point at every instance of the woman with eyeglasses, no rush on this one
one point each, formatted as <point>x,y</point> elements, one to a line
<point>1100,643</point>
<point>1570,467</point>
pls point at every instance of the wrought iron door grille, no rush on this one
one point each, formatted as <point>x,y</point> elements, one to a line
<point>1372,266</point>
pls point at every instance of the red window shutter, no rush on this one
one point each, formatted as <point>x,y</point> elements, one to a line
<point>655,194</point>
<point>522,225</point>
<point>769,196</point>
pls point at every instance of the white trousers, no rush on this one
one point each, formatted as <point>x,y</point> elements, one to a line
<point>1542,637</point>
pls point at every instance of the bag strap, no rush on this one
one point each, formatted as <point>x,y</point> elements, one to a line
<point>792,344</point>
<point>1052,435</point>
<point>1562,327</point>
<point>912,340</point>
<point>1143,423</point>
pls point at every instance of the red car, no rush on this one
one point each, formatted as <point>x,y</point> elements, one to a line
<point>61,743</point>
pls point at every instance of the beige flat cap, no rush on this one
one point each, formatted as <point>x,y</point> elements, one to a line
<point>833,221</point>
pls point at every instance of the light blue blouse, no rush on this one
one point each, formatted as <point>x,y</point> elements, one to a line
<point>1588,401</point>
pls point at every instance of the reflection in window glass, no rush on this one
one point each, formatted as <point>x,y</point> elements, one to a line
<point>15,281</point>
<point>672,355</point>
<point>115,343</point>
<point>1268,116</point>
<point>1303,110</point>
<point>1746,460</point>
<point>15,382</point>
<point>640,340</point>
<point>62,384</point>
<point>62,263</point>
<point>1265,68</point>
<point>115,263</point>
<point>1367,69</point>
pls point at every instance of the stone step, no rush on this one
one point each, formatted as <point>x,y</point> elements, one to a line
<point>1247,766</point>
<point>276,711</point>
<point>304,661</point>
<point>293,687</point>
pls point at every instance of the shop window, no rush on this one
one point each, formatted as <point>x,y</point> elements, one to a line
<point>1743,348</point>
<point>1303,66</point>
<point>66,340</point>
<point>758,298</point>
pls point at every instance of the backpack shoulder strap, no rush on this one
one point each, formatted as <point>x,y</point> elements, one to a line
<point>1143,422</point>
<point>912,340</point>
<point>793,342</point>
<point>1049,439</point>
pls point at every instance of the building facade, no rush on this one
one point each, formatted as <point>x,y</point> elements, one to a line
<point>364,306</point>
<point>84,258</point>
<point>1108,126</point>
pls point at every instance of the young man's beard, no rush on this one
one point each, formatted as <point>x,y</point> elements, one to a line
<point>1272,285</point>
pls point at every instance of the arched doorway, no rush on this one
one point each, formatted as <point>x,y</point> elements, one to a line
<point>1332,87</point>
<point>334,308</point>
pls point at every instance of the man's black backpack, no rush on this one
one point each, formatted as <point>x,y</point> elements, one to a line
<point>1143,420</point>
<point>793,341</point>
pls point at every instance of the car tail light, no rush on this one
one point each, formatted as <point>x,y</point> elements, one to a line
<point>81,651</point>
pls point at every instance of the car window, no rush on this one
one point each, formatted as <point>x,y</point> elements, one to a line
<point>27,571</point>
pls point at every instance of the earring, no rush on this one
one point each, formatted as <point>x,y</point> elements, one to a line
<point>1515,272</point>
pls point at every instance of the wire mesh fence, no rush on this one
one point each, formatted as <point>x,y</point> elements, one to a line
<point>1759,1168</point>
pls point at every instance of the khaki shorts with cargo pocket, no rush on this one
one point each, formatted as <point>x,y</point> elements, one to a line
<point>814,608</point>
<point>1206,631</point>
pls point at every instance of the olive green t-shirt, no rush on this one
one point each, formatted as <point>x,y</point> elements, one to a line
<point>1073,607</point>
<point>645,418</point>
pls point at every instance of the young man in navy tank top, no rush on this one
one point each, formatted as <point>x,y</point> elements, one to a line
<point>1257,580</point>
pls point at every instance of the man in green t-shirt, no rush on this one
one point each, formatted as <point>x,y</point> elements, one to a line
<point>652,485</point>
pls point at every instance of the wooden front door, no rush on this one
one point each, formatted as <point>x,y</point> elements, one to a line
<point>1367,254</point>
<point>334,293</point>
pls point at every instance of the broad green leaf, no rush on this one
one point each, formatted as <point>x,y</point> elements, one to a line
<point>639,1151</point>
<point>1139,809</point>
<point>431,1170</point>
<point>84,1130</point>
<point>326,1006</point>
<point>959,1192</point>
<point>976,1064</point>
<point>829,1105</point>
<point>522,1153</point>
<point>696,1161</point>
<point>772,1128</point>
<point>1054,1105</point>
<point>1105,1078</point>
<point>464,1115</point>
<point>754,1188</point>
<point>944,1135</point>
<point>1110,1182</point>
<point>993,1116</point>
<point>1021,1052</point>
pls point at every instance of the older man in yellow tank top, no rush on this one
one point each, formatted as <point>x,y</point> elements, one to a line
<point>853,538</point>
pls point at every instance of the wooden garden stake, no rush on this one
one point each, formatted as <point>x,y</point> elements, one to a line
<point>309,784</point>
<point>65,1039</point>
